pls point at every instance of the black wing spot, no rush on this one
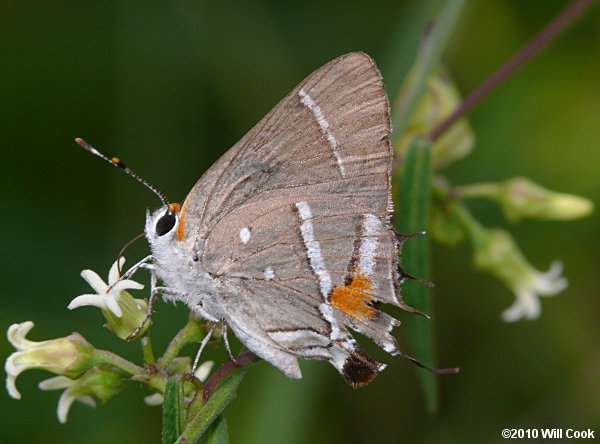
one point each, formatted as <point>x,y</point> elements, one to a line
<point>359,372</point>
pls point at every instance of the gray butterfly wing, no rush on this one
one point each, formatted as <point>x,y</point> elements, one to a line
<point>294,221</point>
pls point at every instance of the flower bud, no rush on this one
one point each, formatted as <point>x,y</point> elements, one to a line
<point>439,101</point>
<point>521,198</point>
<point>70,356</point>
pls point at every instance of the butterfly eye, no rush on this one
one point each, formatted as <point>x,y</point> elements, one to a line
<point>165,224</point>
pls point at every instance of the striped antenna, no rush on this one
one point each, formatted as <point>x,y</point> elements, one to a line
<point>119,164</point>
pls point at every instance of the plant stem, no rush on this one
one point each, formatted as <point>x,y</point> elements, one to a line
<point>466,219</point>
<point>571,12</point>
<point>484,189</point>
<point>149,375</point>
<point>147,350</point>
<point>191,332</point>
<point>106,357</point>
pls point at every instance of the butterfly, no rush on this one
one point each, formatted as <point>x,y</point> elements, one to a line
<point>287,238</point>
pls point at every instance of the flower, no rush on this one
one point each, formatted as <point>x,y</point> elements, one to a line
<point>108,295</point>
<point>123,312</point>
<point>497,253</point>
<point>101,381</point>
<point>68,396</point>
<point>527,304</point>
<point>69,356</point>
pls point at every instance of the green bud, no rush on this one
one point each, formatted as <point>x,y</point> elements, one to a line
<point>439,101</point>
<point>521,198</point>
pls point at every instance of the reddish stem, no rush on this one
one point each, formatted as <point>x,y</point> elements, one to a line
<point>572,11</point>
<point>241,360</point>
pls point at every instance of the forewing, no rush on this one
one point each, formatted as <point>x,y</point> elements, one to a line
<point>328,135</point>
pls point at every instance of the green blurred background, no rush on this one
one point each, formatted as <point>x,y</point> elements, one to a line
<point>169,86</point>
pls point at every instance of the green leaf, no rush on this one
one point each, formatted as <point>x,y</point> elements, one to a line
<point>198,423</point>
<point>413,209</point>
<point>173,410</point>
<point>217,433</point>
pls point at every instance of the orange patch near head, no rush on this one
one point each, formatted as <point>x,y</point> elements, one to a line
<point>181,227</point>
<point>174,207</point>
<point>354,298</point>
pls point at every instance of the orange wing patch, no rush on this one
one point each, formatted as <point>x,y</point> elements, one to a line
<point>354,298</point>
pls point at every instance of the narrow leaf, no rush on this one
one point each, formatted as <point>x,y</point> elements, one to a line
<point>412,214</point>
<point>173,410</point>
<point>217,433</point>
<point>210,411</point>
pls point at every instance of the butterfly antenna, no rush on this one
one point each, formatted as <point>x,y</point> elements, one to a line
<point>119,164</point>
<point>127,245</point>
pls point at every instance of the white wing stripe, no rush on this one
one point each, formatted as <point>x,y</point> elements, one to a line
<point>371,227</point>
<point>324,124</point>
<point>313,249</point>
<point>304,338</point>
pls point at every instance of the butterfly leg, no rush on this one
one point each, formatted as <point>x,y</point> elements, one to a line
<point>224,330</point>
<point>154,291</point>
<point>202,345</point>
<point>144,263</point>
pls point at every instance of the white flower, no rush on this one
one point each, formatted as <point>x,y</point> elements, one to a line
<point>102,381</point>
<point>529,290</point>
<point>69,356</point>
<point>107,296</point>
<point>497,253</point>
<point>72,393</point>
